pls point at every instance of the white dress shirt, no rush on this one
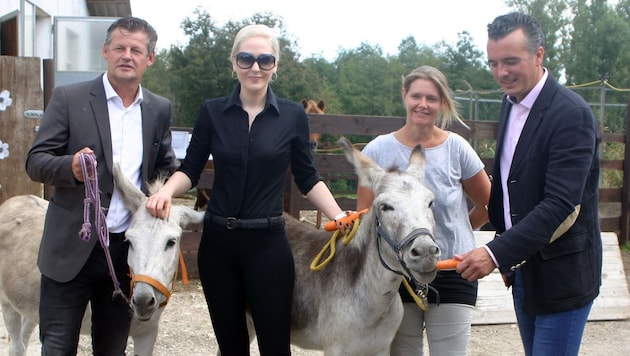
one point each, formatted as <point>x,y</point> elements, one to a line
<point>126,128</point>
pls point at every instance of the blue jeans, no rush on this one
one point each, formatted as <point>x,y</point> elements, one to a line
<point>557,334</point>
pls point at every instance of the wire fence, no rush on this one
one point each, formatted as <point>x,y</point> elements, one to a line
<point>609,104</point>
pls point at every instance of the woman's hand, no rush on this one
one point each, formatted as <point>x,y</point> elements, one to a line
<point>159,205</point>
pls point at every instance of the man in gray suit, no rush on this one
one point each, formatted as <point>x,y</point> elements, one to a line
<point>118,121</point>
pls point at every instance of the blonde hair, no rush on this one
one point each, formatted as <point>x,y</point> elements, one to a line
<point>256,30</point>
<point>438,78</point>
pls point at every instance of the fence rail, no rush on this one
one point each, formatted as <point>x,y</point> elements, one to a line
<point>333,166</point>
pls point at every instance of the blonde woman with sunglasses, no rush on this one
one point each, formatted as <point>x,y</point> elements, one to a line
<point>244,256</point>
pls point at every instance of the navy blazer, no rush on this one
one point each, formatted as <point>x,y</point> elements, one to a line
<point>77,117</point>
<point>553,187</point>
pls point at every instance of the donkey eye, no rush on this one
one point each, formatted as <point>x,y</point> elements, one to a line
<point>170,243</point>
<point>385,207</point>
<point>431,204</point>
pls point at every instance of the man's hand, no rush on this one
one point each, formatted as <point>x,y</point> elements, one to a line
<point>474,264</point>
<point>77,170</point>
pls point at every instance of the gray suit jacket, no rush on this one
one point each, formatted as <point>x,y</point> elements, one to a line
<point>77,117</point>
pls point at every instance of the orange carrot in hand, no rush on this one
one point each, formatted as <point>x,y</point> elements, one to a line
<point>447,264</point>
<point>332,225</point>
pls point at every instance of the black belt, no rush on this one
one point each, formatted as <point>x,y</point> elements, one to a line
<point>231,223</point>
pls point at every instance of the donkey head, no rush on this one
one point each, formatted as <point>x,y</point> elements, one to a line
<point>400,214</point>
<point>154,246</point>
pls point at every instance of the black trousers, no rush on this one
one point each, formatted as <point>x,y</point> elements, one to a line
<point>62,305</point>
<point>253,269</point>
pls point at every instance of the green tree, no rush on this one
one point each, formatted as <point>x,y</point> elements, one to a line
<point>321,83</point>
<point>585,41</point>
<point>363,84</point>
<point>411,55</point>
<point>599,42</point>
<point>188,74</point>
<point>465,65</point>
<point>156,78</point>
<point>467,73</point>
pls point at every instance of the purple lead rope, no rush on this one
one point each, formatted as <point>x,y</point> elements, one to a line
<point>92,197</point>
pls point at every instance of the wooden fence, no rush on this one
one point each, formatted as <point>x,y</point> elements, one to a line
<point>20,77</point>
<point>333,165</point>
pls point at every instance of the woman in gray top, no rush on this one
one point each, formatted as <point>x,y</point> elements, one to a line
<point>455,174</point>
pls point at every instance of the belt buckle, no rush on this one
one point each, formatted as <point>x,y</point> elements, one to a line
<point>230,223</point>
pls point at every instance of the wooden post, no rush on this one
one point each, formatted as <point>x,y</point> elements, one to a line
<point>625,191</point>
<point>49,85</point>
<point>20,76</point>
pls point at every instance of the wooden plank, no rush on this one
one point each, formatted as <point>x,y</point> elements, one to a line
<point>611,164</point>
<point>21,77</point>
<point>609,195</point>
<point>334,166</point>
<point>609,223</point>
<point>353,124</point>
<point>495,306</point>
<point>624,233</point>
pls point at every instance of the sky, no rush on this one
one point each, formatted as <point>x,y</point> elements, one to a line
<point>323,27</point>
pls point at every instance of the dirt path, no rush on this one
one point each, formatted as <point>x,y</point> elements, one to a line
<point>185,330</point>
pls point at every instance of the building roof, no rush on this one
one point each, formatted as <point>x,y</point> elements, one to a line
<point>109,8</point>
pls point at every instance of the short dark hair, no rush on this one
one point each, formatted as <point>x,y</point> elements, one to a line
<point>506,24</point>
<point>134,24</point>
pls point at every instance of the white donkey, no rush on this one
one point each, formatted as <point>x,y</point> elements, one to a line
<point>352,306</point>
<point>153,258</point>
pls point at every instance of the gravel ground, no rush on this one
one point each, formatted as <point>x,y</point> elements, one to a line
<point>185,329</point>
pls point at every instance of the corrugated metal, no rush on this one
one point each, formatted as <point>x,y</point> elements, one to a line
<point>109,8</point>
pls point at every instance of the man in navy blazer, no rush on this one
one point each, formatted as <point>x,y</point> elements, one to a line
<point>544,195</point>
<point>118,121</point>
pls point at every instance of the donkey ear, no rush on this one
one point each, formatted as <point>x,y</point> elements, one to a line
<point>186,216</point>
<point>132,196</point>
<point>417,161</point>
<point>368,171</point>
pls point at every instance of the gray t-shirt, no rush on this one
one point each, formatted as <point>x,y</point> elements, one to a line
<point>447,165</point>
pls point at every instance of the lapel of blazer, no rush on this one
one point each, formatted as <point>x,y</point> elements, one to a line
<point>503,118</point>
<point>98,102</point>
<point>534,121</point>
<point>148,127</point>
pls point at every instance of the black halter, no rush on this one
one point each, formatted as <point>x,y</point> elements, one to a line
<point>398,249</point>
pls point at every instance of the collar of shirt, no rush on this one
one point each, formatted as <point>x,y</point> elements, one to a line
<point>110,93</point>
<point>531,97</point>
<point>235,100</point>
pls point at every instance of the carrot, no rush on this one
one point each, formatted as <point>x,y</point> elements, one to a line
<point>332,225</point>
<point>447,264</point>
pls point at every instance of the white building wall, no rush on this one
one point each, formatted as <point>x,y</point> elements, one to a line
<point>46,11</point>
<point>8,7</point>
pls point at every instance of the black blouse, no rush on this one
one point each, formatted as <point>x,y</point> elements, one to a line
<point>250,166</point>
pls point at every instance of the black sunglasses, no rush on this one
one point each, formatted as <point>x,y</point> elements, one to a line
<point>246,60</point>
